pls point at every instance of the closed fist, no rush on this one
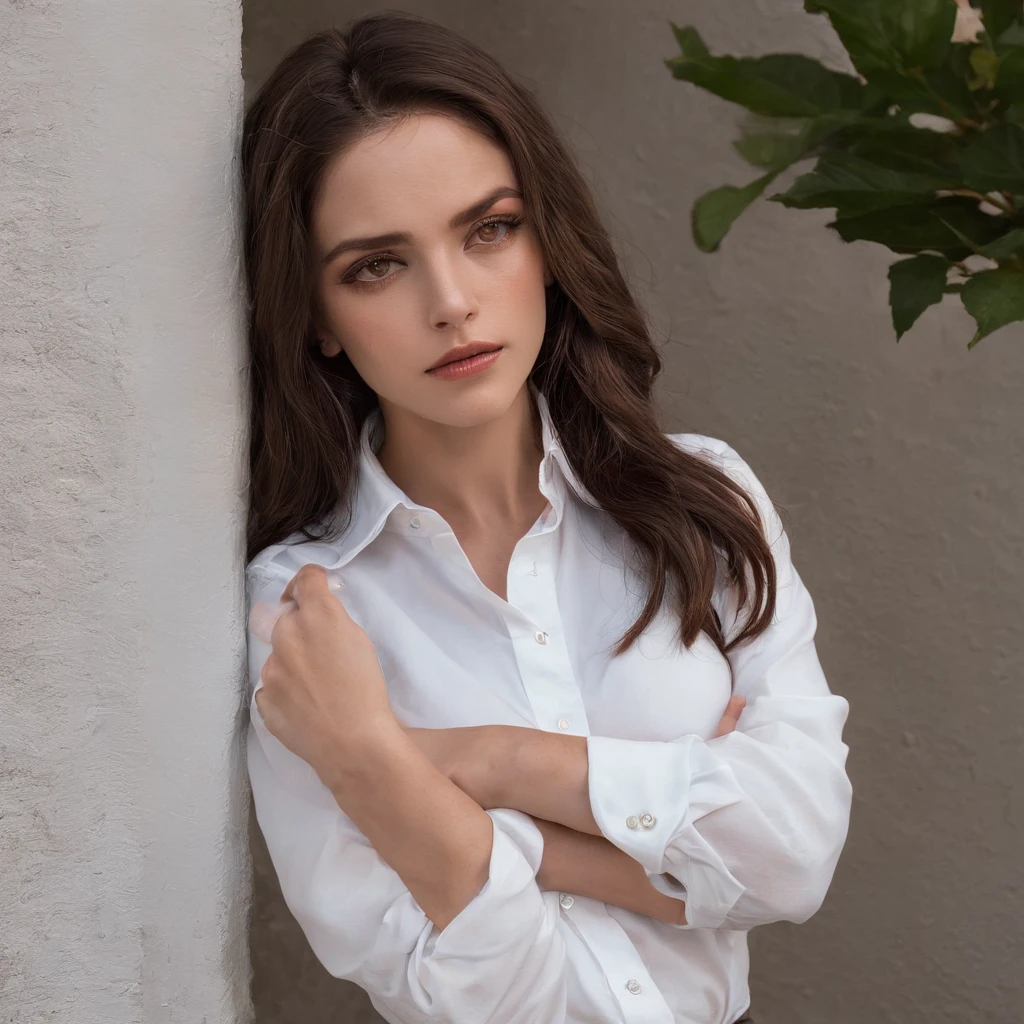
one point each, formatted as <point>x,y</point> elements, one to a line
<point>322,686</point>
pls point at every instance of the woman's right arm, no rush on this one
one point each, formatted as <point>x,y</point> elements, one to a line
<point>362,857</point>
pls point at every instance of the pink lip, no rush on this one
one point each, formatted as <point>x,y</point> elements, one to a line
<point>466,367</point>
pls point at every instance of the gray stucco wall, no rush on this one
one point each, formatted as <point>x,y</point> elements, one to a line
<point>123,854</point>
<point>902,471</point>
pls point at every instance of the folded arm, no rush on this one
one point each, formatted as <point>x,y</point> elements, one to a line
<point>403,884</point>
<point>747,827</point>
<point>587,865</point>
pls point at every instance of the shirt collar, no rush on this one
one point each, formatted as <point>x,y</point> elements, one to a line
<point>380,504</point>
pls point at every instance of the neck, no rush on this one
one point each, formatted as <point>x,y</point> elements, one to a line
<point>478,478</point>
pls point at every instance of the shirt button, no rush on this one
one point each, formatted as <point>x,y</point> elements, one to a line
<point>647,820</point>
<point>634,986</point>
<point>632,821</point>
<point>563,724</point>
<point>566,900</point>
<point>540,636</point>
<point>415,522</point>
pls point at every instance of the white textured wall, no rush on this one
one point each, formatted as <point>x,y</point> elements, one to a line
<point>902,470</point>
<point>123,864</point>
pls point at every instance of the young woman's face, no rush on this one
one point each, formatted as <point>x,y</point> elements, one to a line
<point>395,307</point>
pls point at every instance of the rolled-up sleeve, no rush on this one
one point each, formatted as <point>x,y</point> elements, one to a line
<point>746,828</point>
<point>501,959</point>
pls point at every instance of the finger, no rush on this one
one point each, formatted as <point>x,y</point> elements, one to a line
<point>263,617</point>
<point>730,719</point>
<point>312,579</point>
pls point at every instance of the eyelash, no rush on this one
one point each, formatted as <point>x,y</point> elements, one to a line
<point>514,221</point>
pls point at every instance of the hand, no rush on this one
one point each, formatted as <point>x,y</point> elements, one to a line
<point>323,689</point>
<point>731,717</point>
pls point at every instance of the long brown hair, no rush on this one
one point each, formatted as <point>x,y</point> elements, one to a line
<point>596,365</point>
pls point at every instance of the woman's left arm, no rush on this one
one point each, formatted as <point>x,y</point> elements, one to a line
<point>746,828</point>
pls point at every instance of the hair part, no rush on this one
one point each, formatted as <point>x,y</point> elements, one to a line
<point>597,363</point>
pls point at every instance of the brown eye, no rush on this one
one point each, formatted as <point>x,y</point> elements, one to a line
<point>376,264</point>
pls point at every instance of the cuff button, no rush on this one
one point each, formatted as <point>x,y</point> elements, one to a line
<point>647,820</point>
<point>632,821</point>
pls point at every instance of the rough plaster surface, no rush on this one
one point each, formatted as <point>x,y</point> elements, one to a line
<point>123,856</point>
<point>900,469</point>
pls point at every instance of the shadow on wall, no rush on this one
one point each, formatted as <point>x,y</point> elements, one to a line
<point>289,984</point>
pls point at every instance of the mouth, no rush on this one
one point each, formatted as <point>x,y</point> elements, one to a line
<point>464,352</point>
<point>468,366</point>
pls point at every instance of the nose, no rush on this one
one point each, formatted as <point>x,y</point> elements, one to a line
<point>452,297</point>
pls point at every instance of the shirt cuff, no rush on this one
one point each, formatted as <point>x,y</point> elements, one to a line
<point>510,895</point>
<point>645,796</point>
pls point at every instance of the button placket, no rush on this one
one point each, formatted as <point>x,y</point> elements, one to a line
<point>543,659</point>
<point>622,964</point>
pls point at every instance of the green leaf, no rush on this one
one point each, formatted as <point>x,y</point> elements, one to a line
<point>776,143</point>
<point>999,15</point>
<point>994,298</point>
<point>1005,248</point>
<point>767,148</point>
<point>994,160</point>
<point>897,35</point>
<point>778,85</point>
<point>1013,36</point>
<point>984,65</point>
<point>914,229</point>
<point>690,42</point>
<point>915,284</point>
<point>714,213</point>
<point>902,147</point>
<point>941,92</point>
<point>856,186</point>
<point>1009,85</point>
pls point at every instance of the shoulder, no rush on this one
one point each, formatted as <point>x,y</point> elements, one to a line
<point>699,444</point>
<point>281,561</point>
<point>723,455</point>
<point>714,450</point>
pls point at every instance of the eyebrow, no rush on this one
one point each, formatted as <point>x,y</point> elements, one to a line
<point>402,238</point>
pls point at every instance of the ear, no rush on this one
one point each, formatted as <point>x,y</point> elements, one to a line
<point>329,346</point>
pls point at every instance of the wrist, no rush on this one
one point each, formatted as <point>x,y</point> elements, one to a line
<point>351,755</point>
<point>487,763</point>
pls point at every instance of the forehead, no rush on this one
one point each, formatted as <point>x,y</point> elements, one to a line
<point>419,170</point>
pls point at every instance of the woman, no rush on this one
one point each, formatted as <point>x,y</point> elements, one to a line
<point>500,767</point>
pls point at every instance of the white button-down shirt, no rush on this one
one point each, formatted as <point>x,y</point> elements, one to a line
<point>747,828</point>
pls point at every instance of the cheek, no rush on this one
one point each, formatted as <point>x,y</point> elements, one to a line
<point>517,289</point>
<point>370,331</point>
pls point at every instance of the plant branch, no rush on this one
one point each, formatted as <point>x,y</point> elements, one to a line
<point>970,193</point>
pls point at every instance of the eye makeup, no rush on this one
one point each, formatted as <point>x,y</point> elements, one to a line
<point>512,220</point>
